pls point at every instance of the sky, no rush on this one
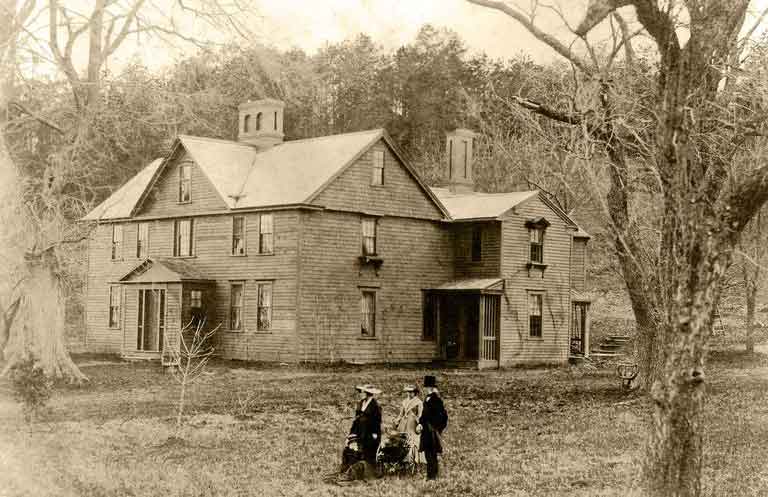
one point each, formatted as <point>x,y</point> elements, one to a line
<point>309,24</point>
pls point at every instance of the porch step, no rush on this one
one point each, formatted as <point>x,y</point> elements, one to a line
<point>619,338</point>
<point>457,364</point>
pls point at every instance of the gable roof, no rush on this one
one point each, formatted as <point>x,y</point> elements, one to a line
<point>121,203</point>
<point>162,270</point>
<point>475,205</point>
<point>290,173</point>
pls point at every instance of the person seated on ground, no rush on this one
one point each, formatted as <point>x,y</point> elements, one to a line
<point>408,419</point>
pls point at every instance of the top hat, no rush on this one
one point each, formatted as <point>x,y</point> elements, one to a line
<point>430,381</point>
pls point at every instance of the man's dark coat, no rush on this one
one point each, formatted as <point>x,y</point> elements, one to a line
<point>433,421</point>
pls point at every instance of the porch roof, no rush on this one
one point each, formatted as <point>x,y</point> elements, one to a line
<point>472,285</point>
<point>163,270</point>
<point>577,296</point>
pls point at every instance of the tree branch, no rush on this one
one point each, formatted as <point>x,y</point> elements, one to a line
<point>597,11</point>
<point>540,35</point>
<point>557,115</point>
<point>37,117</point>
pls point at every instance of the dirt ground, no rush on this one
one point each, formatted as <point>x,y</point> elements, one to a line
<point>267,430</point>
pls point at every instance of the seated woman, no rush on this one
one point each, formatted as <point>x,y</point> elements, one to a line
<point>408,419</point>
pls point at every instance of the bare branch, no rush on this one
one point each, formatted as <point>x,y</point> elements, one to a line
<point>38,117</point>
<point>597,11</point>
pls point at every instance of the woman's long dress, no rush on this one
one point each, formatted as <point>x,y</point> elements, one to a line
<point>410,411</point>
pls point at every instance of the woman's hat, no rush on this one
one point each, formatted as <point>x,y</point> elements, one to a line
<point>368,389</point>
<point>410,388</point>
<point>430,381</point>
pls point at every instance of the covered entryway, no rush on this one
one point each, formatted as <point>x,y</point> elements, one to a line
<point>162,297</point>
<point>465,315</point>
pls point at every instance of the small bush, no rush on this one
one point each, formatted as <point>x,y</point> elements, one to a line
<point>30,387</point>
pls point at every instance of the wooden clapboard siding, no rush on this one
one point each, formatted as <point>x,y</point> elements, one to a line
<point>489,265</point>
<point>163,200</point>
<point>102,270</point>
<point>417,254</point>
<point>212,249</point>
<point>516,344</point>
<point>578,264</point>
<point>399,196</point>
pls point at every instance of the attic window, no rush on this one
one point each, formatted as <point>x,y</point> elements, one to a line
<point>185,183</point>
<point>378,168</point>
<point>258,121</point>
<point>246,123</point>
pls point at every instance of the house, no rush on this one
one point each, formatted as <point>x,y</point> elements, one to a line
<point>331,248</point>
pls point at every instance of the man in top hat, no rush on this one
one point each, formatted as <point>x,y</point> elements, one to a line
<point>367,423</point>
<point>432,422</point>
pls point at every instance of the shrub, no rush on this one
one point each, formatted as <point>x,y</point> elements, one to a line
<point>31,387</point>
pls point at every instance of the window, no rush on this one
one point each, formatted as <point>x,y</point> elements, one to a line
<point>142,240</point>
<point>114,306</point>
<point>236,306</point>
<point>378,168</point>
<point>246,123</point>
<point>477,243</point>
<point>465,158</point>
<point>238,235</point>
<point>258,121</point>
<point>182,238</point>
<point>537,245</point>
<point>369,236</point>
<point>117,241</point>
<point>430,309</point>
<point>264,307</point>
<point>535,314</point>
<point>185,183</point>
<point>368,314</point>
<point>196,299</point>
<point>266,234</point>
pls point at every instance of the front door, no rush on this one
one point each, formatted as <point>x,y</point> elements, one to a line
<point>490,307</point>
<point>579,328</point>
<point>459,326</point>
<point>151,320</point>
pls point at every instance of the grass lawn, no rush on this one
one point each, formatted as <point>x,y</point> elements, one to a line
<point>273,430</point>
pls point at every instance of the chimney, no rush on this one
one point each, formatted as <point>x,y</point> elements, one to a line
<point>459,150</point>
<point>261,123</point>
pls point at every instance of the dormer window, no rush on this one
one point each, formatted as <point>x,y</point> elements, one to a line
<point>246,123</point>
<point>185,183</point>
<point>536,229</point>
<point>258,121</point>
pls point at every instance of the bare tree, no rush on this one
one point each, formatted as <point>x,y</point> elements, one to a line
<point>187,356</point>
<point>754,258</point>
<point>676,148</point>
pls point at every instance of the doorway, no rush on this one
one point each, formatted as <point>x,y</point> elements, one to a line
<point>151,320</point>
<point>459,324</point>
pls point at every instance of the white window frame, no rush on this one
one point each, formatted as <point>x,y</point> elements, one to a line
<point>142,249</point>
<point>190,248</point>
<point>260,286</point>
<point>240,306</point>
<point>267,235</point>
<point>363,312</point>
<point>116,246</point>
<point>531,295</point>
<point>185,166</point>
<point>115,296</point>
<point>370,221</point>
<point>540,243</point>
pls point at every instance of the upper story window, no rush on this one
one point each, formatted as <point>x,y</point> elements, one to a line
<point>246,123</point>
<point>477,243</point>
<point>536,229</point>
<point>142,240</point>
<point>185,183</point>
<point>266,234</point>
<point>238,235</point>
<point>535,307</point>
<point>183,237</point>
<point>378,168</point>
<point>258,121</point>
<point>369,236</point>
<point>117,242</point>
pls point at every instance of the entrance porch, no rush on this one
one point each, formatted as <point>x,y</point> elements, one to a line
<point>465,319</point>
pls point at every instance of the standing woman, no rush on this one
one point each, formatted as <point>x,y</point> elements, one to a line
<point>368,422</point>
<point>432,422</point>
<point>410,412</point>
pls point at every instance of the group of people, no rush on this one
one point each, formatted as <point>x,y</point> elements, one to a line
<point>422,422</point>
